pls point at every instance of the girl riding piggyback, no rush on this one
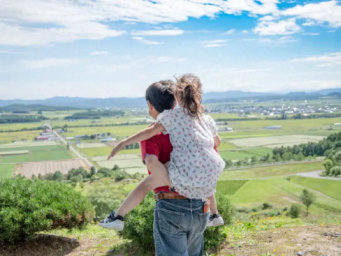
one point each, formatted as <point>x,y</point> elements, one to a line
<point>194,166</point>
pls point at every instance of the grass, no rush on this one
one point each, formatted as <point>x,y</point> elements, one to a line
<point>234,155</point>
<point>329,187</point>
<point>270,171</point>
<point>42,153</point>
<point>105,151</point>
<point>8,137</point>
<point>229,187</point>
<point>280,192</point>
<point>6,171</point>
<point>226,146</point>
<point>258,151</point>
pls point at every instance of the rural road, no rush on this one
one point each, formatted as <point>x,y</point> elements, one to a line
<point>73,150</point>
<point>316,174</point>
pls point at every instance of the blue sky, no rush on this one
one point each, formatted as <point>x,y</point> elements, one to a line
<point>116,48</point>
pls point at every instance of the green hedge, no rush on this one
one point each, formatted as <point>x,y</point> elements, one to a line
<point>31,206</point>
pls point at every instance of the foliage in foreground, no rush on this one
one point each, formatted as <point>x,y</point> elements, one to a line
<point>31,206</point>
<point>138,224</point>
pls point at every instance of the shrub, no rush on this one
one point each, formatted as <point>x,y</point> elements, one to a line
<point>138,224</point>
<point>31,206</point>
<point>295,211</point>
<point>105,200</point>
<point>214,236</point>
<point>266,206</point>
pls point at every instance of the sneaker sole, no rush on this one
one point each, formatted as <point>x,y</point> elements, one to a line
<point>111,227</point>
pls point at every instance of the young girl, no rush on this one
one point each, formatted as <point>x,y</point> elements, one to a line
<point>195,165</point>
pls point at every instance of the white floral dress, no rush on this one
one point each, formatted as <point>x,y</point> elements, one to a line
<point>195,166</point>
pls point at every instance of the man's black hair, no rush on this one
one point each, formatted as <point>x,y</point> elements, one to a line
<point>161,95</point>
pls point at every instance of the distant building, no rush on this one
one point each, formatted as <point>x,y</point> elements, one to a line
<point>274,127</point>
<point>225,129</point>
<point>54,139</point>
<point>337,124</point>
<point>70,138</point>
<point>108,139</point>
<point>41,138</point>
<point>45,134</point>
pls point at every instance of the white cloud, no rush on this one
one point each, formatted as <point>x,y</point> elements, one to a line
<point>328,11</point>
<point>249,39</point>
<point>327,60</point>
<point>283,27</point>
<point>309,23</point>
<point>230,32</point>
<point>278,41</point>
<point>181,60</point>
<point>48,63</point>
<point>214,43</point>
<point>245,32</point>
<point>267,18</point>
<point>144,41</point>
<point>96,53</point>
<point>171,32</point>
<point>23,36</point>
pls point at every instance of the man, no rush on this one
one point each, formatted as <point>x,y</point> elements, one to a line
<point>179,222</point>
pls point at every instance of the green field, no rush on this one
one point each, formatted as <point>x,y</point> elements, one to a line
<point>235,155</point>
<point>281,193</point>
<point>258,151</point>
<point>6,171</point>
<point>329,187</point>
<point>18,126</point>
<point>270,171</point>
<point>8,137</point>
<point>105,151</point>
<point>229,187</point>
<point>42,153</point>
<point>226,146</point>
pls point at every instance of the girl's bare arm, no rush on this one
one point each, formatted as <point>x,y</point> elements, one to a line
<point>217,141</point>
<point>140,136</point>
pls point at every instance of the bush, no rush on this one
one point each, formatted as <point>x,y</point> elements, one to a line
<point>295,211</point>
<point>214,236</point>
<point>138,224</point>
<point>31,206</point>
<point>266,206</point>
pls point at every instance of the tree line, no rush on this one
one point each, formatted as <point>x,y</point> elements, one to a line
<point>4,119</point>
<point>90,114</point>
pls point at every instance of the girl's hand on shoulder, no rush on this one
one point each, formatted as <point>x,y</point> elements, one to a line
<point>115,150</point>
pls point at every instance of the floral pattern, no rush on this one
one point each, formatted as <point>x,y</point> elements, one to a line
<point>195,166</point>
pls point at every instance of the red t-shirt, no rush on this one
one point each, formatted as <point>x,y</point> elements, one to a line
<point>161,147</point>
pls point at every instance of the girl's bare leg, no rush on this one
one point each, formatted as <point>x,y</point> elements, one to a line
<point>213,206</point>
<point>157,179</point>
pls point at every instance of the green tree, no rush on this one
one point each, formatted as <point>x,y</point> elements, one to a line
<point>137,145</point>
<point>76,179</point>
<point>254,160</point>
<point>307,198</point>
<point>328,165</point>
<point>295,211</point>
<point>92,171</point>
<point>58,176</point>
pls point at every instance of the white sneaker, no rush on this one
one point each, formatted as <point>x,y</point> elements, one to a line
<point>215,220</point>
<point>112,222</point>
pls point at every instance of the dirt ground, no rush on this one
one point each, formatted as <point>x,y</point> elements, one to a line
<point>307,240</point>
<point>28,169</point>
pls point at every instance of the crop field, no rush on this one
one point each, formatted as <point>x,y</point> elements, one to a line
<point>9,153</point>
<point>28,144</point>
<point>29,169</point>
<point>91,145</point>
<point>270,171</point>
<point>226,146</point>
<point>105,151</point>
<point>281,193</point>
<point>35,154</point>
<point>6,171</point>
<point>123,163</point>
<point>116,131</point>
<point>8,137</point>
<point>102,121</point>
<point>275,141</point>
<point>18,126</point>
<point>229,187</point>
<point>329,187</point>
<point>234,155</point>
<point>259,151</point>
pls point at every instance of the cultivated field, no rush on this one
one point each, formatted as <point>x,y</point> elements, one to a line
<point>29,169</point>
<point>91,145</point>
<point>19,152</point>
<point>6,171</point>
<point>270,171</point>
<point>123,161</point>
<point>276,141</point>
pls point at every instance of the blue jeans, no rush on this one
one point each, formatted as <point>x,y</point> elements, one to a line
<point>179,227</point>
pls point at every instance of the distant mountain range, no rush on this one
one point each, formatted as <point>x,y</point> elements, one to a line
<point>209,97</point>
